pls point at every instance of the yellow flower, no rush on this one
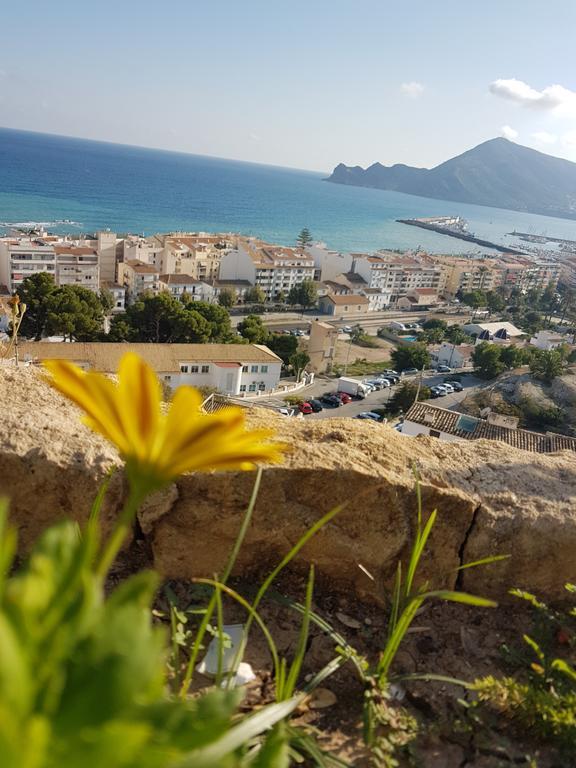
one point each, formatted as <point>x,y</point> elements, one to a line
<point>156,446</point>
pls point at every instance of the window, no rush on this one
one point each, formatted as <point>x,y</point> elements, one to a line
<point>205,368</point>
<point>261,386</point>
<point>183,369</point>
<point>167,378</point>
<point>193,369</point>
<point>263,369</point>
<point>254,369</point>
<point>252,387</point>
<point>244,369</point>
<point>434,433</point>
<point>242,387</point>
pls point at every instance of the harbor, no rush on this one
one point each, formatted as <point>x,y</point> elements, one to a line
<point>455,226</point>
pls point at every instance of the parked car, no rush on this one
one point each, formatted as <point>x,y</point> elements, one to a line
<point>300,332</point>
<point>344,397</point>
<point>376,384</point>
<point>448,387</point>
<point>456,385</point>
<point>286,411</point>
<point>444,369</point>
<point>347,329</point>
<point>384,382</point>
<point>438,391</point>
<point>409,371</point>
<point>369,415</point>
<point>305,408</point>
<point>331,400</point>
<point>389,371</point>
<point>316,406</point>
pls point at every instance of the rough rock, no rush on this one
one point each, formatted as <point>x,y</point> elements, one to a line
<point>491,499</point>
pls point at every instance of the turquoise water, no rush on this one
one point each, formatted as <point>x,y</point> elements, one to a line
<point>95,185</point>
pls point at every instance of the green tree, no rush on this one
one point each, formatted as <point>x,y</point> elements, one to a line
<point>252,328</point>
<point>474,299</point>
<point>255,295</point>
<point>405,395</point>
<point>299,361</point>
<point>281,297</point>
<point>532,322</point>
<point>218,319</point>
<point>35,292</point>
<point>547,365</point>
<point>76,312</point>
<point>227,298</point>
<point>283,344</point>
<point>434,323</point>
<point>432,336</point>
<point>455,335</point>
<point>512,356</point>
<point>294,296</point>
<point>308,294</point>
<point>411,356</point>
<point>304,238</point>
<point>487,361</point>
<point>495,302</point>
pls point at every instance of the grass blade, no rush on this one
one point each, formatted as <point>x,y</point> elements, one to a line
<point>484,561</point>
<point>296,665</point>
<point>417,551</point>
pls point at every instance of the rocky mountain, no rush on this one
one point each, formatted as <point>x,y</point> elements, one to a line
<point>497,173</point>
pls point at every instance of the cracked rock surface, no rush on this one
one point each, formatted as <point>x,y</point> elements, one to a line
<point>490,497</point>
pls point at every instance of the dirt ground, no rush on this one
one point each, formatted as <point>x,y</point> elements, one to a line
<point>445,639</point>
<point>346,350</point>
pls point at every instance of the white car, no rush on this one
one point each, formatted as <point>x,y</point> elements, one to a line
<point>448,387</point>
<point>347,329</point>
<point>384,382</point>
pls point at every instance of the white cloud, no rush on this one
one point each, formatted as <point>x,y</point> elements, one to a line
<point>543,137</point>
<point>554,98</point>
<point>413,89</point>
<point>569,139</point>
<point>508,132</point>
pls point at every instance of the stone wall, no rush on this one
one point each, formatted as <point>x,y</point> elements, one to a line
<point>491,499</point>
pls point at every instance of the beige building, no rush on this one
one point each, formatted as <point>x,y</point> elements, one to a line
<point>77,266</point>
<point>138,278</point>
<point>398,274</point>
<point>419,298</point>
<point>322,346</point>
<point>343,306</point>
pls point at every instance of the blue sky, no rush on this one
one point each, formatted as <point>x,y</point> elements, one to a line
<point>305,84</point>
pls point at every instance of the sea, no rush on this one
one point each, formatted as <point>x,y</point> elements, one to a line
<point>71,185</point>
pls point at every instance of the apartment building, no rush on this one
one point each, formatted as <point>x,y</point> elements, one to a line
<point>138,278</point>
<point>469,274</point>
<point>233,369</point>
<point>398,274</point>
<point>527,274</point>
<point>328,264</point>
<point>66,263</point>
<point>275,269</point>
<point>195,290</point>
<point>77,266</point>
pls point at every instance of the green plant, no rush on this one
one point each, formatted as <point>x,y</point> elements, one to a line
<point>543,698</point>
<point>407,599</point>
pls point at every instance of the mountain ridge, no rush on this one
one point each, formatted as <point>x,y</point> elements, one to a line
<point>498,173</point>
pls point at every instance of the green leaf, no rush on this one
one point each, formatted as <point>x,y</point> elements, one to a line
<point>462,597</point>
<point>484,561</point>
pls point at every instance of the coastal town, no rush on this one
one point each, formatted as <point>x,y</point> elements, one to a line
<point>305,319</point>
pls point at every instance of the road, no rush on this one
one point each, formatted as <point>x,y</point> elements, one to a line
<point>378,399</point>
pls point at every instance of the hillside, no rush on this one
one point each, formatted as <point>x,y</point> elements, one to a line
<point>497,173</point>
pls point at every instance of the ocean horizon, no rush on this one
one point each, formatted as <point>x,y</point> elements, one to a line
<point>72,185</point>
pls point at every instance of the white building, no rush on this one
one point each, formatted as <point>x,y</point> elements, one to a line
<point>377,298</point>
<point>454,427</point>
<point>248,370</point>
<point>493,331</point>
<point>195,290</point>
<point>454,355</point>
<point>273,268</point>
<point>118,293</point>
<point>328,264</point>
<point>77,266</point>
<point>398,275</point>
<point>547,340</point>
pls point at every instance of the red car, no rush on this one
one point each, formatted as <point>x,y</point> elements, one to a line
<point>305,408</point>
<point>344,397</point>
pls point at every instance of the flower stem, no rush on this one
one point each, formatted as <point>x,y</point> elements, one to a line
<point>120,531</point>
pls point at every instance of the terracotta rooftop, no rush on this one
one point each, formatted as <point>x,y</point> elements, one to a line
<point>74,250</point>
<point>349,299</point>
<point>163,358</point>
<point>178,279</point>
<point>140,267</point>
<point>470,428</point>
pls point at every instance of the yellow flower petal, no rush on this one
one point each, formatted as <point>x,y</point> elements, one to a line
<point>157,447</point>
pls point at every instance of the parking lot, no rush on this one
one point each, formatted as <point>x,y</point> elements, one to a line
<point>379,399</point>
